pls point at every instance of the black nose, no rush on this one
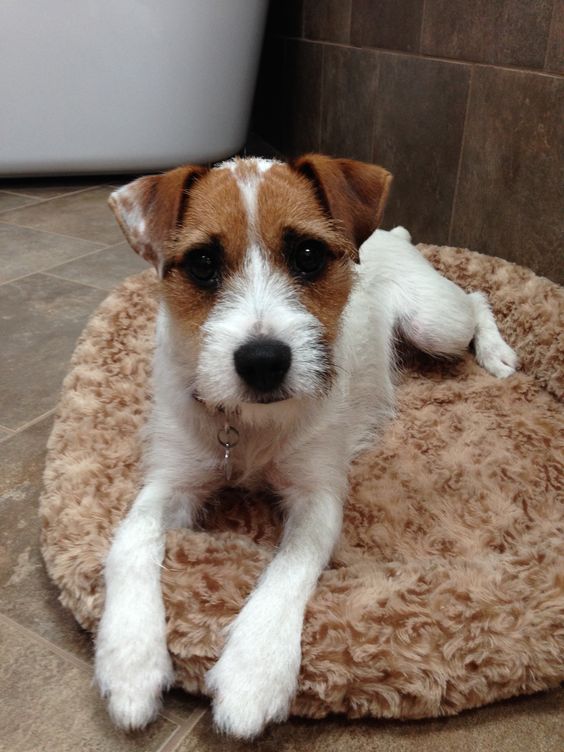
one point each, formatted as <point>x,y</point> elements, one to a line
<point>263,363</point>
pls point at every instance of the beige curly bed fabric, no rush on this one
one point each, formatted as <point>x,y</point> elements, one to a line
<point>447,589</point>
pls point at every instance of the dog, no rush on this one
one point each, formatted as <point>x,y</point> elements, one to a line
<point>273,367</point>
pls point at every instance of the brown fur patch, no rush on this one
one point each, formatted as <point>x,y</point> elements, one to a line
<point>149,208</point>
<point>215,212</point>
<point>287,201</point>
<point>355,193</point>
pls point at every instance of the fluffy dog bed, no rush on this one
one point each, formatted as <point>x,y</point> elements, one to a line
<point>447,589</point>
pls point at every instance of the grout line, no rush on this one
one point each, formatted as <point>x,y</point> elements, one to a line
<point>195,718</point>
<point>21,195</point>
<point>113,245</point>
<point>460,156</point>
<point>51,198</point>
<point>183,730</point>
<point>172,742</point>
<point>322,103</point>
<point>76,258</point>
<point>65,193</point>
<point>4,223</point>
<point>5,428</point>
<point>421,25</point>
<point>55,266</point>
<point>374,114</point>
<point>29,201</point>
<point>17,208</point>
<point>61,652</point>
<point>549,36</point>
<point>32,422</point>
<point>424,56</point>
<point>63,263</point>
<point>171,715</point>
<point>76,282</point>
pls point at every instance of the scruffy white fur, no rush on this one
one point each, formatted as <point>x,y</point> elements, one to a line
<point>301,447</point>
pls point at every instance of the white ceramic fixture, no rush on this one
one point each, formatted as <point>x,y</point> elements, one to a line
<point>125,85</point>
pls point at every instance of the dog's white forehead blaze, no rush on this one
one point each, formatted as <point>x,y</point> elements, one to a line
<point>237,165</point>
<point>248,174</point>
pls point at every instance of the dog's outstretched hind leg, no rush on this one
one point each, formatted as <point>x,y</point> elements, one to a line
<point>436,315</point>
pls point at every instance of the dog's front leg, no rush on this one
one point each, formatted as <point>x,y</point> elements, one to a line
<point>256,676</point>
<point>132,661</point>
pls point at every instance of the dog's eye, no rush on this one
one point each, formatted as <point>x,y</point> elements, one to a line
<point>308,259</point>
<point>203,265</point>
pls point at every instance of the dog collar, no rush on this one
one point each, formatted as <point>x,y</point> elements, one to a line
<point>228,438</point>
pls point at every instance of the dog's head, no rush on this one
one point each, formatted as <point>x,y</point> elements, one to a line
<point>256,260</point>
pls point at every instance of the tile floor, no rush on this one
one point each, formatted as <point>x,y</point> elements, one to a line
<point>60,252</point>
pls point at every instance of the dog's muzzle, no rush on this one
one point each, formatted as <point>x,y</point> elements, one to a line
<point>263,363</point>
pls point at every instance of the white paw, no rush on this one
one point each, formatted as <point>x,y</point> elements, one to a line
<point>495,355</point>
<point>132,674</point>
<point>254,680</point>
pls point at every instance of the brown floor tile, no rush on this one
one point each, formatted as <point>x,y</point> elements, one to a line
<point>350,79</point>
<point>328,20</point>
<point>83,215</point>
<point>505,32</point>
<point>104,269</point>
<point>45,188</point>
<point>387,24</point>
<point>520,725</point>
<point>11,201</point>
<point>555,49</point>
<point>23,458</point>
<point>26,593</point>
<point>50,705</point>
<point>41,318</point>
<point>418,127</point>
<point>510,195</point>
<point>24,251</point>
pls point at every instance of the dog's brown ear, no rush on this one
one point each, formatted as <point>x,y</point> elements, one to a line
<point>353,193</point>
<point>150,209</point>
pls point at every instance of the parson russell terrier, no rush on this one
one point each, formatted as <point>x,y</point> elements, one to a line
<point>273,365</point>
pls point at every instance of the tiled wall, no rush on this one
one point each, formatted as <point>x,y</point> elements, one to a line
<point>463,100</point>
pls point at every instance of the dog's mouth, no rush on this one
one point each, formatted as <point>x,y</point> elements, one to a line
<point>266,400</point>
<point>250,399</point>
<point>270,398</point>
